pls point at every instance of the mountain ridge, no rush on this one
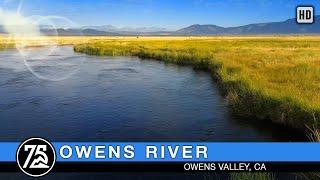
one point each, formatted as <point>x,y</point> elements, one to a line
<point>288,26</point>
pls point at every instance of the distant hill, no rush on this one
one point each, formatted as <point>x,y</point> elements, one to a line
<point>286,27</point>
<point>76,32</point>
<point>127,30</point>
<point>106,28</point>
<point>201,30</point>
<point>70,32</point>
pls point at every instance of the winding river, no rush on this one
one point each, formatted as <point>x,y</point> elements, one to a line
<point>68,96</point>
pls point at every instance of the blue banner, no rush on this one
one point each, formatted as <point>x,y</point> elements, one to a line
<point>175,152</point>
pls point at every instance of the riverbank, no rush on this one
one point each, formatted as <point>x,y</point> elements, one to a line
<point>274,78</point>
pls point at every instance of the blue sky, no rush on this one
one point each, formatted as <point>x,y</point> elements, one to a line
<point>171,14</point>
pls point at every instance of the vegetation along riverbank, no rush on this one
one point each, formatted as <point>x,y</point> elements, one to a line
<point>263,78</point>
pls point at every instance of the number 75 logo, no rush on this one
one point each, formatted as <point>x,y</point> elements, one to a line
<point>36,157</point>
<point>36,151</point>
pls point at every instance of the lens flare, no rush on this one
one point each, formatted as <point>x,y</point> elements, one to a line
<point>27,32</point>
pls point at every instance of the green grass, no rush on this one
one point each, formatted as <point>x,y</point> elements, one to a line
<point>274,78</point>
<point>3,46</point>
<point>239,176</point>
<point>252,176</point>
<point>6,45</point>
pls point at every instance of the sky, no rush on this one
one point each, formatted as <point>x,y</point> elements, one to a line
<point>170,14</point>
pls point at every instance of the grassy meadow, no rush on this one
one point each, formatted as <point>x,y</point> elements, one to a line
<point>274,78</point>
<point>267,78</point>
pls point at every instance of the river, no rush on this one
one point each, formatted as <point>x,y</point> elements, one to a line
<point>73,97</point>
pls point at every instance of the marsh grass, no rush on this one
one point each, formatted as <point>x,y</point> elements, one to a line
<point>314,132</point>
<point>6,46</point>
<point>252,176</point>
<point>311,176</point>
<point>273,78</point>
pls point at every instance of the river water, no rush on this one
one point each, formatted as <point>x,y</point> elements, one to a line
<point>73,97</point>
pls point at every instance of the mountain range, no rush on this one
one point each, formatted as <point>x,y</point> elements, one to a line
<point>289,26</point>
<point>285,27</point>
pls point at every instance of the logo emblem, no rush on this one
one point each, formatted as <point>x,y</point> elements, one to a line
<point>36,157</point>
